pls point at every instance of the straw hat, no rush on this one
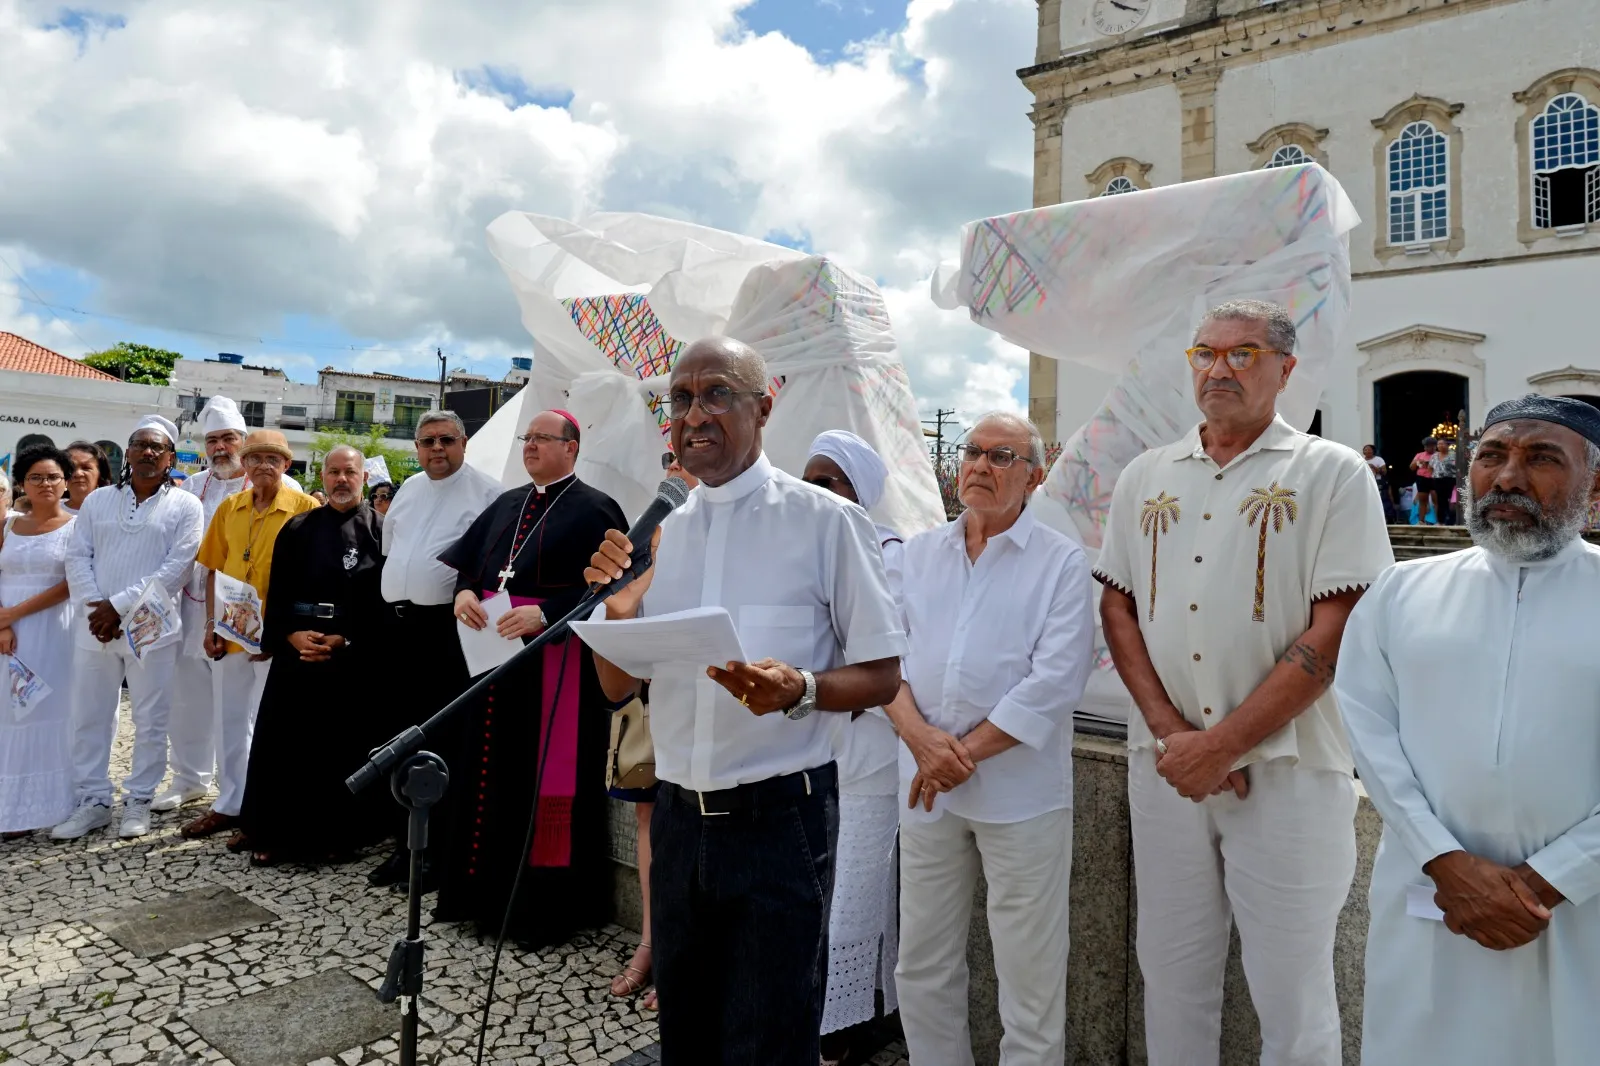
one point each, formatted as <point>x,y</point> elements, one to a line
<point>266,442</point>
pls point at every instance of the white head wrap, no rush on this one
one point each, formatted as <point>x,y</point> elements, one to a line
<point>160,425</point>
<point>220,413</point>
<point>863,466</point>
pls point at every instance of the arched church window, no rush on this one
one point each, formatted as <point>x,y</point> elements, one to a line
<point>1566,163</point>
<point>1119,185</point>
<point>1290,155</point>
<point>1419,185</point>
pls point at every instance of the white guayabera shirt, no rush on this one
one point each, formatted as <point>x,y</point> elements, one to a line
<point>1225,563</point>
<point>1496,751</point>
<point>801,573</point>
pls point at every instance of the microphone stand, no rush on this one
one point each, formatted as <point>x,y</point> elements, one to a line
<point>418,780</point>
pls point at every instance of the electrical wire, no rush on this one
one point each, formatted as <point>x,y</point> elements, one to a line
<point>275,342</point>
<point>527,844</point>
<point>37,299</point>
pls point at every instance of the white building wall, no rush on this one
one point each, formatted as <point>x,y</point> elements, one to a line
<point>1145,126</point>
<point>1533,313</point>
<point>1078,29</point>
<point>1478,59</point>
<point>248,384</point>
<point>68,409</point>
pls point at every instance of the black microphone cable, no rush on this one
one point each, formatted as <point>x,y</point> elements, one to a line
<point>527,842</point>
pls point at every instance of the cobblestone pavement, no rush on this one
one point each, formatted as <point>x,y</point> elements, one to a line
<point>70,993</point>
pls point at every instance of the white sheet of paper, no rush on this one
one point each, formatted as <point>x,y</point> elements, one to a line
<point>700,637</point>
<point>484,649</point>
<point>1419,902</point>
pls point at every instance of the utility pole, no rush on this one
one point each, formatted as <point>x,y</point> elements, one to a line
<point>940,419</point>
<point>440,353</point>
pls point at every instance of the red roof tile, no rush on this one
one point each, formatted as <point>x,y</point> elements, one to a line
<point>19,353</point>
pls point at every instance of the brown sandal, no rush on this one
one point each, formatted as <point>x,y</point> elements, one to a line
<point>208,824</point>
<point>650,1002</point>
<point>263,858</point>
<point>238,842</point>
<point>633,979</point>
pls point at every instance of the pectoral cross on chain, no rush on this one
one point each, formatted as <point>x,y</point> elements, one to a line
<point>505,575</point>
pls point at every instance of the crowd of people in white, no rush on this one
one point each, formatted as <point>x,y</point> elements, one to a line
<point>805,872</point>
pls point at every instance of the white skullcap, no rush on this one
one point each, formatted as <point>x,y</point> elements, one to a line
<point>220,413</point>
<point>862,465</point>
<point>159,424</point>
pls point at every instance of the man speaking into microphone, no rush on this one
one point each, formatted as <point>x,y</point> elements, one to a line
<point>747,816</point>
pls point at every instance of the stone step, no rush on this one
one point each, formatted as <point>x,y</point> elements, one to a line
<point>1423,542</point>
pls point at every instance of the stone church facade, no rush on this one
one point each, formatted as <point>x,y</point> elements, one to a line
<point>1467,132</point>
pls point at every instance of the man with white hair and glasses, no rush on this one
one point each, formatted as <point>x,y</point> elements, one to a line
<point>1231,560</point>
<point>999,622</point>
<point>1484,944</point>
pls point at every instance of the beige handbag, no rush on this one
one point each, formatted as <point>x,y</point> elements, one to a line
<point>631,762</point>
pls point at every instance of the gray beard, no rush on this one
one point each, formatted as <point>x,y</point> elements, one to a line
<point>1544,539</point>
<point>227,472</point>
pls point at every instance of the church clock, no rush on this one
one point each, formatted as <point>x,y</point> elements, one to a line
<point>1113,17</point>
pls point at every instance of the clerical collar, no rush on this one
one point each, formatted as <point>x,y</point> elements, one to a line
<point>758,474</point>
<point>542,489</point>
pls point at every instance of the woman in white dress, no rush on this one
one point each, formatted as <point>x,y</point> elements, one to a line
<point>35,630</point>
<point>863,926</point>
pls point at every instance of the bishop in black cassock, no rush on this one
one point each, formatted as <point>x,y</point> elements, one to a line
<point>533,543</point>
<point>319,719</point>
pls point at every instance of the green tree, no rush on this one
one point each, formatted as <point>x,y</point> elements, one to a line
<point>402,462</point>
<point>138,363</point>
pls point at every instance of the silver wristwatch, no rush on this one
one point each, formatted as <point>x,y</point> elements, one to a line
<point>808,699</point>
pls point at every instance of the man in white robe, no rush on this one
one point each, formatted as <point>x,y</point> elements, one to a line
<point>1471,689</point>
<point>191,729</point>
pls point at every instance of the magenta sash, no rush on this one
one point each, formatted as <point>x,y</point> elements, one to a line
<point>558,727</point>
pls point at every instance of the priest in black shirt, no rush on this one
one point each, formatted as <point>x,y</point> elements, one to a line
<point>325,632</point>
<point>532,544</point>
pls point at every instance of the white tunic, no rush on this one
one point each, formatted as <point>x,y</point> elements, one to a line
<point>211,491</point>
<point>1471,689</point>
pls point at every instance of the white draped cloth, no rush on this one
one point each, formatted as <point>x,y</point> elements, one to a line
<point>613,298</point>
<point>1119,283</point>
<point>1471,689</point>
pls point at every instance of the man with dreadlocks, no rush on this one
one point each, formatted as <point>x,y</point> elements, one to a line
<point>141,530</point>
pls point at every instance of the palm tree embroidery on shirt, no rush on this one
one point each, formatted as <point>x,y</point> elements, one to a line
<point>1158,516</point>
<point>1272,506</point>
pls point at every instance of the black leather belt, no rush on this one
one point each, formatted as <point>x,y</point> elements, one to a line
<point>774,791</point>
<point>318,610</point>
<point>407,609</point>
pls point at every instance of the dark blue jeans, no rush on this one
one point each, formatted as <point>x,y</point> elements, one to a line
<point>739,926</point>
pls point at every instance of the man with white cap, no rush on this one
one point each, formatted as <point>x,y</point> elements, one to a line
<point>239,543</point>
<point>862,921</point>
<point>191,729</point>
<point>143,529</point>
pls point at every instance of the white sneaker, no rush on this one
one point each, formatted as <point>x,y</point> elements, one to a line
<point>90,815</point>
<point>135,819</point>
<point>173,798</point>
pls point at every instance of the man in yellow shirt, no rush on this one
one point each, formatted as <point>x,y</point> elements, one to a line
<point>239,544</point>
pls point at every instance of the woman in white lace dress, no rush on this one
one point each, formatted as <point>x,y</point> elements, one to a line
<point>863,926</point>
<point>35,631</point>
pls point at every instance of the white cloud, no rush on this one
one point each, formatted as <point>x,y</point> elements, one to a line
<point>227,167</point>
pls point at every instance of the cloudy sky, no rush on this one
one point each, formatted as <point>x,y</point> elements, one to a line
<point>307,183</point>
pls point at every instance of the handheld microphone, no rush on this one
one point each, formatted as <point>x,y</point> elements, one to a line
<point>670,495</point>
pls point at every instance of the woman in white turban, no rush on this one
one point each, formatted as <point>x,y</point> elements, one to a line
<point>863,931</point>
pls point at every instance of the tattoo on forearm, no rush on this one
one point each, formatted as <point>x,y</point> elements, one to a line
<point>1317,665</point>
